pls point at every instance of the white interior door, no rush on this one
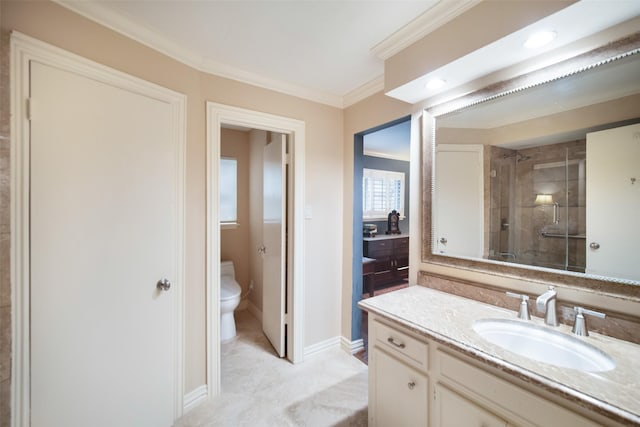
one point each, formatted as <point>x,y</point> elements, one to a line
<point>274,235</point>
<point>613,202</point>
<point>104,228</point>
<point>459,200</point>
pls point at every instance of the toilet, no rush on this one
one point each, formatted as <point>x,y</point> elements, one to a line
<point>229,299</point>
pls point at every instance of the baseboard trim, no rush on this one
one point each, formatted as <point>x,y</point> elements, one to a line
<point>255,311</point>
<point>351,347</point>
<point>315,349</point>
<point>195,397</point>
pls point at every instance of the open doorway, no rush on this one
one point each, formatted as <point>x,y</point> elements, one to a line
<point>253,230</point>
<point>219,118</point>
<point>381,217</point>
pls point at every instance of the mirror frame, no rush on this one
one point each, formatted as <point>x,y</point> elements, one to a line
<point>613,51</point>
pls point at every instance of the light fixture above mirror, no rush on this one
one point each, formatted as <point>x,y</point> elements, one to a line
<point>539,39</point>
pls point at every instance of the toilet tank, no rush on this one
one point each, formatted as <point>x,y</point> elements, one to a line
<point>226,269</point>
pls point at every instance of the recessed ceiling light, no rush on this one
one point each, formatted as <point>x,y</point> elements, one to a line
<point>540,39</point>
<point>434,84</point>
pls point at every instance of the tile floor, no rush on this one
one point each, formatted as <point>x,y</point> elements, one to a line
<point>259,389</point>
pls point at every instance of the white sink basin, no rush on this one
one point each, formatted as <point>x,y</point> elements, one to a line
<point>544,344</point>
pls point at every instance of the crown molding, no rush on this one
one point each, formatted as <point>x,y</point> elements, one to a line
<point>233,73</point>
<point>96,12</point>
<point>433,18</point>
<point>366,90</point>
<point>402,157</point>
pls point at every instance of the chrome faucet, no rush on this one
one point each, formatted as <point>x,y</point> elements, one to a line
<point>547,304</point>
<point>523,312</point>
<point>580,326</point>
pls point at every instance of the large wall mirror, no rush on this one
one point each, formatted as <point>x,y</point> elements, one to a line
<point>542,180</point>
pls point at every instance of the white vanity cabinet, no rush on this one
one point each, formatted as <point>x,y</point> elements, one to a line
<point>415,381</point>
<point>400,393</point>
<point>452,409</point>
<point>398,381</point>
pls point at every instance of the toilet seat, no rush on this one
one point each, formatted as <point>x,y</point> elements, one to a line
<point>229,288</point>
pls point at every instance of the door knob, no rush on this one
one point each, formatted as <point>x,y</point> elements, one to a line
<point>594,245</point>
<point>443,240</point>
<point>163,284</point>
<point>262,250</point>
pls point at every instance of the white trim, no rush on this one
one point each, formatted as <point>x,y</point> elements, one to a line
<point>351,347</point>
<point>366,90</point>
<point>97,12</point>
<point>432,19</point>
<point>217,116</point>
<point>371,153</point>
<point>322,346</point>
<point>194,398</point>
<point>25,49</point>
<point>255,311</point>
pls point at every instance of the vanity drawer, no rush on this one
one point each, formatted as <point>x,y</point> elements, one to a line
<point>401,245</point>
<point>378,249</point>
<point>398,343</point>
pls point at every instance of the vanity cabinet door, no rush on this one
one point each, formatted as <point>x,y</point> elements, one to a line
<point>399,393</point>
<point>455,410</point>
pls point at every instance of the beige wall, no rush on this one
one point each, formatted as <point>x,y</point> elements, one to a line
<point>234,242</point>
<point>54,24</point>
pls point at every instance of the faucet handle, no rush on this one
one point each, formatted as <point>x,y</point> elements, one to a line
<point>580,325</point>
<point>523,313</point>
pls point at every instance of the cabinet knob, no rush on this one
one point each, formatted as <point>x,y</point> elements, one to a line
<point>411,385</point>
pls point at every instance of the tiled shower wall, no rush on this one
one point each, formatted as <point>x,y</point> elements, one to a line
<point>517,222</point>
<point>5,278</point>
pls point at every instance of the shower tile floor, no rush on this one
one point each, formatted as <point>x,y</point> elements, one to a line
<point>259,389</point>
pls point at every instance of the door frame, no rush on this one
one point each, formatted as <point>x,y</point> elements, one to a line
<point>217,116</point>
<point>25,49</point>
<point>415,215</point>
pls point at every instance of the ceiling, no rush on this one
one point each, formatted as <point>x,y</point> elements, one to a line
<point>316,49</point>
<point>328,51</point>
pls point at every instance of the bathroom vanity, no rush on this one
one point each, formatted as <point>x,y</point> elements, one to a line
<point>429,367</point>
<point>390,255</point>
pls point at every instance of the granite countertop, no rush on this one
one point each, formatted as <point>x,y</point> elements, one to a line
<point>448,319</point>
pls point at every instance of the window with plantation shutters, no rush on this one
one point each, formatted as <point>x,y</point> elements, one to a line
<point>382,192</point>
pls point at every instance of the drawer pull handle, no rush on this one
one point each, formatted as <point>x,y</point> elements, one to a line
<point>392,341</point>
<point>411,385</point>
